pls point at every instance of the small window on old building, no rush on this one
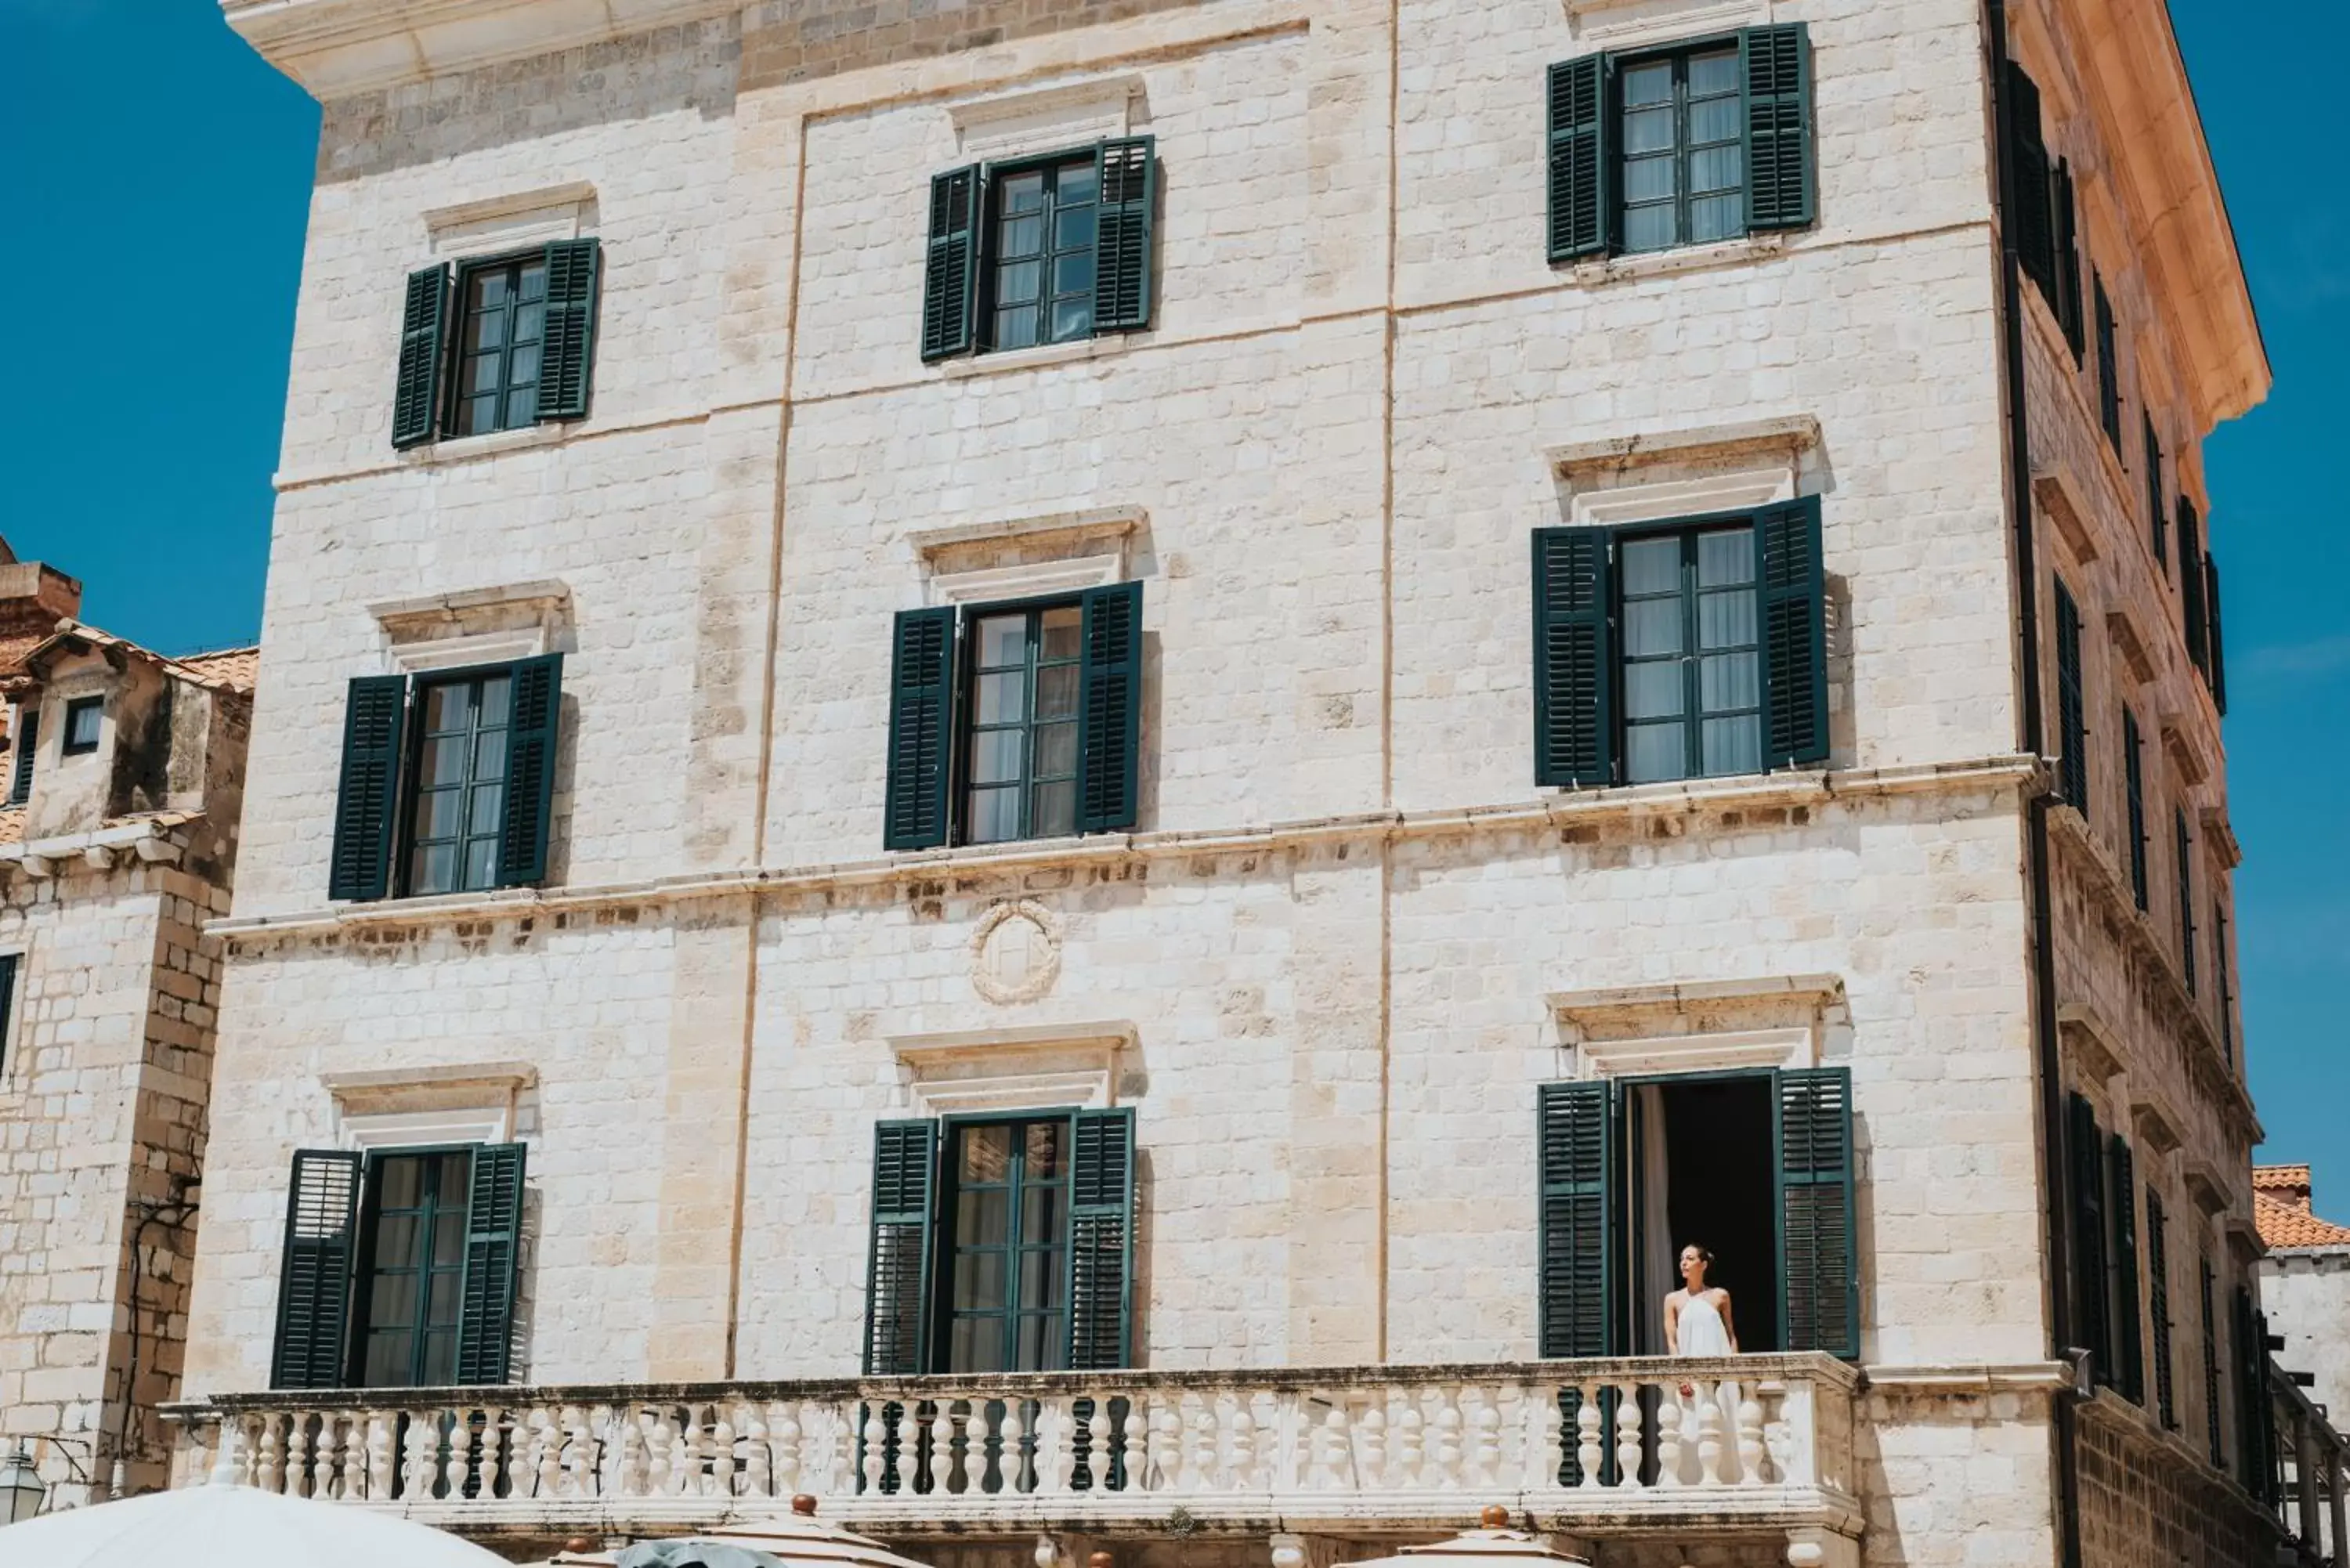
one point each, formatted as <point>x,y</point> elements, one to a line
<point>84,715</point>
<point>497,344</point>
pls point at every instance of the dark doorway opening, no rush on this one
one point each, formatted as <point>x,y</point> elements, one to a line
<point>1708,1142</point>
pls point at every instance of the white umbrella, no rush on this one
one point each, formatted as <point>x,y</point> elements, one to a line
<point>1494,1546</point>
<point>225,1526</point>
<point>794,1540</point>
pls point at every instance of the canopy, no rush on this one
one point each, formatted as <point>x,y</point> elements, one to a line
<point>225,1526</point>
<point>1491,1546</point>
<point>795,1539</point>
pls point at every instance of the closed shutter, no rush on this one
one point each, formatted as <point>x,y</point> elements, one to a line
<point>1109,712</point>
<point>1574,659</point>
<point>416,393</point>
<point>921,729</point>
<point>2035,239</point>
<point>2129,1350</point>
<point>2134,796</point>
<point>2190,586</point>
<point>493,1265</point>
<point>2109,367</point>
<point>2216,668</point>
<point>1128,167</point>
<point>27,743</point>
<point>2091,1314</point>
<point>2227,990</point>
<point>2157,514</point>
<point>574,268</point>
<point>1579,176</point>
<point>1778,79</point>
<point>1819,1280</point>
<point>1574,1132</point>
<point>2068,259</point>
<point>898,1262</point>
<point>2072,768</point>
<point>2157,1301</point>
<point>314,1276</point>
<point>2185,847</point>
<point>2211,1419</point>
<point>1101,1241</point>
<point>1794,633</point>
<point>359,866</point>
<point>951,275</point>
<point>530,770</point>
<point>2251,1393</point>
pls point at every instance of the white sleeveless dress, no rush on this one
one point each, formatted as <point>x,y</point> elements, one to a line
<point>1702,1332</point>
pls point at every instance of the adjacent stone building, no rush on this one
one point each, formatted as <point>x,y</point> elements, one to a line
<point>2305,1283</point>
<point>125,773</point>
<point>1073,771</point>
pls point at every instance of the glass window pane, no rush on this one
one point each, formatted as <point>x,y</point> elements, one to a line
<point>1074,273</point>
<point>1044,1343</point>
<point>1041,1150</point>
<point>481,414</point>
<point>1056,751</point>
<point>449,1238</point>
<point>489,803</point>
<point>1003,640</point>
<point>392,1300</point>
<point>522,366</point>
<point>1075,183</point>
<point>1015,328</point>
<point>978,1346</point>
<point>489,331</point>
<point>1040,1277</point>
<point>994,814</point>
<point>1072,319</point>
<point>995,756</point>
<point>1054,811</point>
<point>1712,169</point>
<point>388,1360</point>
<point>1713,73</point>
<point>530,324</point>
<point>1002,698</point>
<point>490,756</point>
<point>1023,193</point>
<point>1725,620</point>
<point>490,290</point>
<point>1016,282</point>
<point>446,708</point>
<point>395,1240</point>
<point>1652,567</point>
<point>496,695</point>
<point>401,1185</point>
<point>979,1281</point>
<point>1061,629</point>
<point>1653,691</point>
<point>454,1181</point>
<point>1650,83</point>
<point>1057,691</point>
<point>1649,179</point>
<point>534,280</point>
<point>982,1217</point>
<point>439,1357</point>
<point>1073,228</point>
<point>1733,746</point>
<point>1647,131</point>
<point>481,373</point>
<point>1717,218</point>
<point>438,812</point>
<point>986,1154</point>
<point>1729,681</point>
<point>444,761</point>
<point>442,1302</point>
<point>1725,556</point>
<point>522,407</point>
<point>1654,751</point>
<point>1651,228</point>
<point>1040,1218</point>
<point>1651,627</point>
<point>481,864</point>
<point>1019,238</point>
<point>1716,119</point>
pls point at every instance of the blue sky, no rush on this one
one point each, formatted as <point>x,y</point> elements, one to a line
<point>156,175</point>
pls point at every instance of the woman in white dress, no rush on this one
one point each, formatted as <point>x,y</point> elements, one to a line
<point>1698,1322</point>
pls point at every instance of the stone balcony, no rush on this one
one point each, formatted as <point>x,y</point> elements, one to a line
<point>1758,1445</point>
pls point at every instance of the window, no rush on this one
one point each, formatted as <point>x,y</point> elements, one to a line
<point>517,352</point>
<point>2157,514</point>
<point>2211,1416</point>
<point>27,741</point>
<point>2043,214</point>
<point>2127,1335</point>
<point>2219,972</point>
<point>2194,624</point>
<point>1683,650</point>
<point>1002,1245</point>
<point>448,781</point>
<point>2186,898</point>
<point>85,716</point>
<point>2134,792</point>
<point>399,1268</point>
<point>2073,771</point>
<point>8,966</point>
<point>1018,721</point>
<point>2215,663</point>
<point>2109,370</point>
<point>1703,142</point>
<point>1047,250</point>
<point>2157,1274</point>
<point>2091,1287</point>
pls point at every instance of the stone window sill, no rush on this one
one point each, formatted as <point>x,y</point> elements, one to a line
<point>1599,272</point>
<point>1102,348</point>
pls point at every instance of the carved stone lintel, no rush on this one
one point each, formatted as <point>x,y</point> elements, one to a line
<point>1812,1547</point>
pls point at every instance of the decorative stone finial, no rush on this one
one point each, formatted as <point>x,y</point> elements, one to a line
<point>804,1504</point>
<point>1495,1517</point>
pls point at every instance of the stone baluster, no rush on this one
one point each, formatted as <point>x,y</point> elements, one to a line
<point>1672,1423</point>
<point>788,1446</point>
<point>1371,1444</point>
<point>1196,1460</point>
<point>267,1466</point>
<point>758,1453</point>
<point>379,1458</point>
<point>1484,1423</point>
<point>724,1460</point>
<point>1627,1434</point>
<point>328,1456</point>
<point>416,1461</point>
<point>1447,1450</point>
<point>1328,1467</point>
<point>495,1458</point>
<point>581,1461</point>
<point>875,1435</point>
<point>460,1456</point>
<point>1708,1433</point>
<point>1411,1438</point>
<point>1236,1464</point>
<point>1550,1436</point>
<point>658,1452</point>
<point>685,1454</point>
<point>547,1451</point>
<point>1587,1451</point>
<point>1011,1454</point>
<point>1054,1462</point>
<point>1750,1442</point>
<point>1165,1432</point>
<point>299,1476</point>
<point>942,1454</point>
<point>228,1453</point>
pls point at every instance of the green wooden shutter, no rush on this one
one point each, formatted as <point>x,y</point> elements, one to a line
<point>2185,853</point>
<point>1101,1240</point>
<point>1777,72</point>
<point>1110,712</point>
<point>2068,260</point>
<point>1575,1131</point>
<point>921,730</point>
<point>2157,514</point>
<point>2212,1429</point>
<point>2251,1393</point>
<point>898,1261</point>
<point>2109,367</point>
<point>2092,1315</point>
<point>2215,669</point>
<point>416,393</point>
<point>2157,1296</point>
<point>536,726</point>
<point>2219,972</point>
<point>27,743</point>
<point>1129,170</point>
<point>574,270</point>
<point>1573,659</point>
<point>366,804</point>
<point>1794,633</point>
<point>2129,1351</point>
<point>2134,794</point>
<point>314,1277</point>
<point>7,1002</point>
<point>951,275</point>
<point>2035,239</point>
<point>1580,204</point>
<point>493,1265</point>
<point>2190,586</point>
<point>1819,1273</point>
<point>2073,767</point>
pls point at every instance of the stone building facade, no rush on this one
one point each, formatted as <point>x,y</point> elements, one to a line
<point>1072,771</point>
<point>117,838</point>
<point>2305,1283</point>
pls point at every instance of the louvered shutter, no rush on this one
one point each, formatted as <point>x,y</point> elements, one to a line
<point>536,728</point>
<point>951,275</point>
<point>1101,1240</point>
<point>1792,587</point>
<point>2129,1349</point>
<point>1128,170</point>
<point>493,1265</point>
<point>1819,1277</point>
<point>2073,766</point>
<point>898,1261</point>
<point>574,268</point>
<point>2134,798</point>
<point>1110,712</point>
<point>1573,659</point>
<point>921,729</point>
<point>2109,367</point>
<point>2211,1426</point>
<point>2028,167</point>
<point>2185,849</point>
<point>1579,176</point>
<point>2068,259</point>
<point>416,392</point>
<point>2157,514</point>
<point>27,744</point>
<point>2091,1310</point>
<point>2157,1301</point>
<point>2216,668</point>
<point>2252,1395</point>
<point>8,1003</point>
<point>2191,585</point>
<point>1574,1132</point>
<point>314,1277</point>
<point>359,866</point>
<point>1777,70</point>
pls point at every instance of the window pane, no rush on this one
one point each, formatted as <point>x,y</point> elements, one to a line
<point>434,869</point>
<point>1002,698</point>
<point>1056,810</point>
<point>986,1154</point>
<point>979,1281</point>
<point>443,762</point>
<point>1729,681</point>
<point>439,1357</point>
<point>1717,218</point>
<point>1652,567</point>
<point>1654,751</point>
<point>1023,193</point>
<point>995,756</point>
<point>534,280</point>
<point>1649,229</point>
<point>402,1183</point>
<point>978,1346</point>
<point>1715,120</point>
<point>1725,557</point>
<point>1712,169</point>
<point>1003,640</point>
<point>449,1238</point>
<point>1075,181</point>
<point>1647,131</point>
<point>392,1300</point>
<point>522,407</point>
<point>1056,751</point>
<point>1733,746</point>
<point>994,814</point>
<point>1040,1218</point>
<point>1652,626</point>
<point>522,365</point>
<point>387,1360</point>
<point>1725,620</point>
<point>447,1292</point>
<point>1650,83</point>
<point>1019,238</point>
<point>454,1178</point>
<point>530,324</point>
<point>489,289</point>
<point>1074,273</point>
<point>1015,283</point>
<point>481,864</point>
<point>1041,1149</point>
<point>1713,73</point>
<point>1653,691</point>
<point>982,1217</point>
<point>1072,319</point>
<point>1073,228</point>
<point>1057,691</point>
<point>395,1240</point>
<point>490,756</point>
<point>438,813</point>
<point>489,801</point>
<point>446,708</point>
<point>489,331</point>
<point>481,414</point>
<point>1040,1277</point>
<point>1015,328</point>
<point>1061,629</point>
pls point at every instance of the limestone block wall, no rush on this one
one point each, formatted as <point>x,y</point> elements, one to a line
<point>2307,1293</point>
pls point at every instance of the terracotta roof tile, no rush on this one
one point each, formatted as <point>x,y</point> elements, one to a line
<point>12,825</point>
<point>2265,1177</point>
<point>2284,1225</point>
<point>238,667</point>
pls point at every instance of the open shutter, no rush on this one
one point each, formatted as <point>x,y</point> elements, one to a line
<point>416,393</point>
<point>2190,584</point>
<point>2211,1425</point>
<point>1128,170</point>
<point>1579,202</point>
<point>2157,1301</point>
<point>2217,666</point>
<point>1576,1133</point>
<point>1819,1276</point>
<point>2073,766</point>
<point>1794,633</point>
<point>2090,1312</point>
<point>2129,1350</point>
<point>921,729</point>
<point>1101,1240</point>
<point>530,770</point>
<point>574,268</point>
<point>898,1262</point>
<point>1110,712</point>
<point>359,866</point>
<point>2134,798</point>
<point>2069,312</point>
<point>2157,515</point>
<point>2035,241</point>
<point>314,1278</point>
<point>950,277</point>
<point>7,1002</point>
<point>1777,70</point>
<point>1574,659</point>
<point>27,741</point>
<point>493,1265</point>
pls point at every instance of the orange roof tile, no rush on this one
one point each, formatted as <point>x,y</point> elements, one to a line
<point>12,825</point>
<point>239,667</point>
<point>2287,1225</point>
<point>2265,1177</point>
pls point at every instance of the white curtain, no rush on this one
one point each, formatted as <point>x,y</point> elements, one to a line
<point>1658,1249</point>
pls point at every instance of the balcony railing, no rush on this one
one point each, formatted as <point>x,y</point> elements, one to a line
<point>1751,1442</point>
<point>2311,1495</point>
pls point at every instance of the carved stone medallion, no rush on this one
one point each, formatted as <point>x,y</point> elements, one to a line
<point>1015,953</point>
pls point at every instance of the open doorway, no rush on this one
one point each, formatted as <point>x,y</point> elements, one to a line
<point>1700,1166</point>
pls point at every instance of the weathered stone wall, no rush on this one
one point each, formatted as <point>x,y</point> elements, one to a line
<point>2307,1293</point>
<point>2144,1498</point>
